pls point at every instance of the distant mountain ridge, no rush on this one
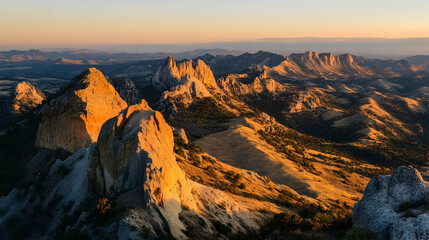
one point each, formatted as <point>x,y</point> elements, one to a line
<point>93,57</point>
<point>421,61</point>
<point>227,64</point>
<point>311,65</point>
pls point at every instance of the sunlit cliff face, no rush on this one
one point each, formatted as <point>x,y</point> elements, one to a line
<point>80,111</point>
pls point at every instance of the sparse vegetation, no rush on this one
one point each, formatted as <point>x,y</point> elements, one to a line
<point>356,233</point>
<point>206,113</point>
<point>103,205</point>
<point>311,219</point>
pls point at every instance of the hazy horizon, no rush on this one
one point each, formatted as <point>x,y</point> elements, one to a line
<point>382,28</point>
<point>369,47</point>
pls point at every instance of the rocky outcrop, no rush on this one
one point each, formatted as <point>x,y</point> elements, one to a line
<point>395,207</point>
<point>126,89</point>
<point>171,74</point>
<point>326,65</point>
<point>135,151</point>
<point>134,156</point>
<point>73,117</point>
<point>190,89</point>
<point>134,163</point>
<point>420,61</point>
<point>226,64</point>
<point>125,147</point>
<point>182,83</point>
<point>26,97</point>
<point>245,84</point>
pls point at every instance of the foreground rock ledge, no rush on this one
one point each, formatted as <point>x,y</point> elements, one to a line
<point>395,207</point>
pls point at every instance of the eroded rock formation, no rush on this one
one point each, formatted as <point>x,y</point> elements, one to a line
<point>395,207</point>
<point>74,116</point>
<point>326,65</point>
<point>171,74</point>
<point>134,156</point>
<point>27,97</point>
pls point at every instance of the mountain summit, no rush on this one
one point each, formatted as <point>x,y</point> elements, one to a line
<point>26,97</point>
<point>326,65</point>
<point>79,109</point>
<point>171,73</point>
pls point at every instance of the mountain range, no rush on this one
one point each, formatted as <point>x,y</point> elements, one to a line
<point>216,147</point>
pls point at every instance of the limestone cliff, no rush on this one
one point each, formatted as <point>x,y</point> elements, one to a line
<point>73,117</point>
<point>26,97</point>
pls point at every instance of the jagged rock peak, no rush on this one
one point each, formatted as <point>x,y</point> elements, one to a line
<point>26,97</point>
<point>346,58</point>
<point>73,117</point>
<point>311,54</point>
<point>326,65</point>
<point>171,73</point>
<point>328,58</point>
<point>190,88</point>
<point>394,206</point>
<point>128,146</point>
<point>134,157</point>
<point>134,153</point>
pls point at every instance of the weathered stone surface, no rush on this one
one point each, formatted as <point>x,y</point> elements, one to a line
<point>171,74</point>
<point>26,97</point>
<point>135,151</point>
<point>244,84</point>
<point>74,116</point>
<point>182,83</point>
<point>382,208</point>
<point>127,143</point>
<point>190,89</point>
<point>326,65</point>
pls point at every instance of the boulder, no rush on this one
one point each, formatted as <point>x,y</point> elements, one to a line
<point>395,207</point>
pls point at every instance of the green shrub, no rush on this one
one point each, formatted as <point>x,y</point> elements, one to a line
<point>357,233</point>
<point>311,218</point>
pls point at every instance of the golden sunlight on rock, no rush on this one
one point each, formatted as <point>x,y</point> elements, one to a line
<point>73,118</point>
<point>27,97</point>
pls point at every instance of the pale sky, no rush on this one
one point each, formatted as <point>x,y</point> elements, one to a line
<point>199,21</point>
